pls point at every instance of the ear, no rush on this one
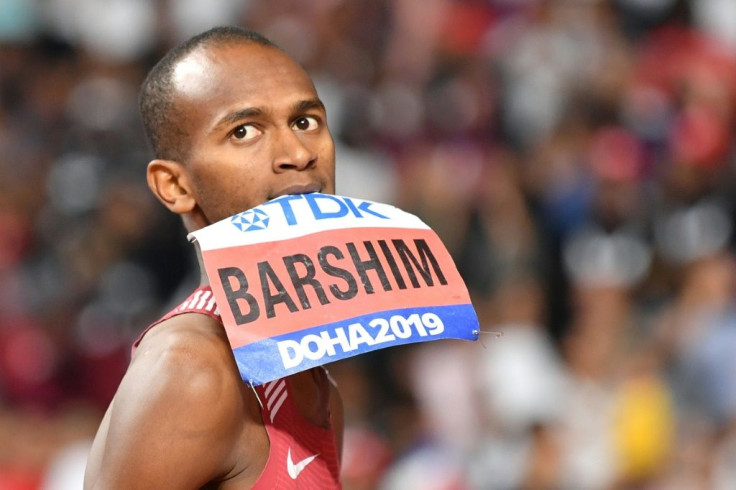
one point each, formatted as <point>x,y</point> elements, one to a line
<point>170,184</point>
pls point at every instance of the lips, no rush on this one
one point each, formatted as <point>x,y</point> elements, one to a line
<point>297,189</point>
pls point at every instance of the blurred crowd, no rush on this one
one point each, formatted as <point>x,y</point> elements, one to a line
<point>575,156</point>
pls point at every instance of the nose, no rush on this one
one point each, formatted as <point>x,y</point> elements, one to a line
<point>291,153</point>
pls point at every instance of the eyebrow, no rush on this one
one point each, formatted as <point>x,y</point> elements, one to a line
<point>305,105</point>
<point>238,115</point>
<point>248,112</point>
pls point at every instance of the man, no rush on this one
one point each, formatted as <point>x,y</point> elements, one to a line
<point>233,122</point>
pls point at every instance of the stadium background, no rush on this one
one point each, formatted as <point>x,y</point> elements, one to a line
<point>576,156</point>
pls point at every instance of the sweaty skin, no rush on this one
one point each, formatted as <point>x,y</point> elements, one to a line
<point>182,418</point>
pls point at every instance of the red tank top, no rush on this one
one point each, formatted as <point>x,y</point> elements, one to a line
<point>301,455</point>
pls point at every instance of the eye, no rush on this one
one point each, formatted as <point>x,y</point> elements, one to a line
<point>305,123</point>
<point>245,132</point>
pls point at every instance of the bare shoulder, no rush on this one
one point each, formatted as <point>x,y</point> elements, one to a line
<point>178,413</point>
<point>185,340</point>
<point>186,363</point>
<point>187,356</point>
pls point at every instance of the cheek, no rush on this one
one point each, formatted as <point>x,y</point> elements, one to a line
<point>223,202</point>
<point>237,193</point>
<point>327,156</point>
<point>225,171</point>
<point>221,193</point>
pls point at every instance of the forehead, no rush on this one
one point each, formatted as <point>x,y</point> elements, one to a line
<point>217,78</point>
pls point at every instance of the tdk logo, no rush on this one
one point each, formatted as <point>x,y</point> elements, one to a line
<point>319,207</point>
<point>254,219</point>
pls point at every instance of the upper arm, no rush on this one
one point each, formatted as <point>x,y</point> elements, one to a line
<point>174,419</point>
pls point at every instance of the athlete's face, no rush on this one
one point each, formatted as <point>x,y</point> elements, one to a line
<point>257,129</point>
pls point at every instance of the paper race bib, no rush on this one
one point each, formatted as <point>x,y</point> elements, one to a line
<point>304,280</point>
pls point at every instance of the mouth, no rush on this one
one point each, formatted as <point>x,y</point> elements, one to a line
<point>296,189</point>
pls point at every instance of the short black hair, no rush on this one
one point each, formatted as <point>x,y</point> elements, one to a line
<point>161,119</point>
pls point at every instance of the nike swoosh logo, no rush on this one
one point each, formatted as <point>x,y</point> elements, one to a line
<point>295,469</point>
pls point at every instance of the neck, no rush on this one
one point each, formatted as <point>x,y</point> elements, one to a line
<point>204,280</point>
